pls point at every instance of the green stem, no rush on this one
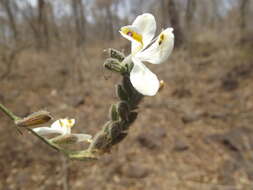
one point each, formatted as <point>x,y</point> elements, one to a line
<point>11,115</point>
<point>68,153</point>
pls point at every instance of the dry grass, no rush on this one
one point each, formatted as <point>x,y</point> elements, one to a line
<point>190,136</point>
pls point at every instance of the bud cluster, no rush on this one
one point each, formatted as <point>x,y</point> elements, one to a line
<point>122,114</point>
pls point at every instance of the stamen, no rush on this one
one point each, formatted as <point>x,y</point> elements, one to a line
<point>161,39</point>
<point>133,34</point>
<point>130,34</point>
<point>61,123</point>
<point>70,122</point>
<point>162,84</point>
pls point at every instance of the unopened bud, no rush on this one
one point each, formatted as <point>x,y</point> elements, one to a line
<point>35,118</point>
<point>114,65</point>
<point>121,93</point>
<point>123,110</point>
<point>113,113</point>
<point>119,138</point>
<point>113,53</point>
<point>127,85</point>
<point>99,143</point>
<point>132,116</point>
<point>64,139</point>
<point>115,129</point>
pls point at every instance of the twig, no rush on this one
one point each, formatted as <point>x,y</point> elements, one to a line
<point>121,116</point>
<point>11,115</point>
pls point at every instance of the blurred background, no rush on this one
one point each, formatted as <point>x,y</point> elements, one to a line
<point>195,134</point>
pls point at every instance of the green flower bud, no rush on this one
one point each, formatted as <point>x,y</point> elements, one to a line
<point>113,53</point>
<point>114,65</point>
<point>121,93</point>
<point>132,117</point>
<point>115,129</point>
<point>100,142</point>
<point>114,115</point>
<point>123,110</point>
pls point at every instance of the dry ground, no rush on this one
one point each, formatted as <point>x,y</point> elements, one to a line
<point>196,134</point>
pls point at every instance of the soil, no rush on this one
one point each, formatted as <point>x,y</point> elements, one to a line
<point>195,134</point>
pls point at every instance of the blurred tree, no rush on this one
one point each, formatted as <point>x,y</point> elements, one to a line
<point>243,12</point>
<point>43,24</point>
<point>80,21</point>
<point>164,13</point>
<point>105,7</point>
<point>175,22</point>
<point>190,11</point>
<point>8,7</point>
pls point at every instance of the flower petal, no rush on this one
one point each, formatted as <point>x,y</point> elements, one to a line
<point>83,137</point>
<point>131,33</point>
<point>46,130</point>
<point>146,25</point>
<point>160,50</point>
<point>143,80</point>
<point>64,125</point>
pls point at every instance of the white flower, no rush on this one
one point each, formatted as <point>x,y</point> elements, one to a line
<point>63,127</point>
<point>141,34</point>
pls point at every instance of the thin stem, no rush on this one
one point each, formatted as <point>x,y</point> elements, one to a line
<point>53,145</point>
<point>11,115</point>
<point>65,173</point>
<point>66,152</point>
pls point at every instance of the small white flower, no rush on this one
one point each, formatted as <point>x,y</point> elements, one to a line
<point>141,34</point>
<point>63,127</point>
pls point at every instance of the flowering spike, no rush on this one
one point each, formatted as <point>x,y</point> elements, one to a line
<point>121,93</point>
<point>114,129</point>
<point>99,143</point>
<point>123,110</point>
<point>132,117</point>
<point>127,86</point>
<point>119,138</point>
<point>114,115</point>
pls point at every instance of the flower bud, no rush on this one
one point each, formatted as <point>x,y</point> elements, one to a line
<point>113,113</point>
<point>113,53</point>
<point>121,93</point>
<point>100,142</point>
<point>132,116</point>
<point>114,65</point>
<point>119,138</point>
<point>115,129</point>
<point>127,85</point>
<point>33,119</point>
<point>123,110</point>
<point>64,139</point>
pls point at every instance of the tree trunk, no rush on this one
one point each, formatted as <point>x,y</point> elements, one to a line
<point>243,11</point>
<point>43,25</point>
<point>6,4</point>
<point>80,22</point>
<point>190,10</point>
<point>175,22</point>
<point>110,27</point>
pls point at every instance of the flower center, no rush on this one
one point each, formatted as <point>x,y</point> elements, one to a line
<point>161,39</point>
<point>68,123</point>
<point>137,37</point>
